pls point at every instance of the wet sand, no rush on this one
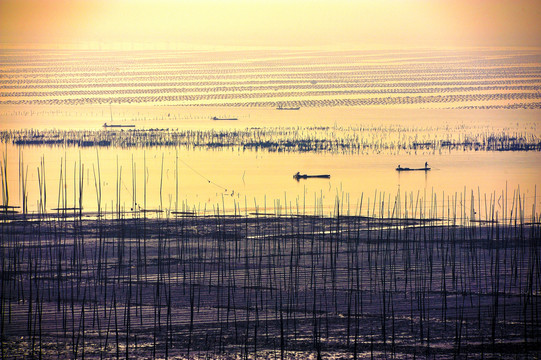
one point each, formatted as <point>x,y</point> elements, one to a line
<point>266,285</point>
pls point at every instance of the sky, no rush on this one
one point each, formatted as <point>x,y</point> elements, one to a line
<point>270,23</point>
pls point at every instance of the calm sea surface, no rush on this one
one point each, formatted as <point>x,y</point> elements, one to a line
<point>383,100</point>
<point>211,178</point>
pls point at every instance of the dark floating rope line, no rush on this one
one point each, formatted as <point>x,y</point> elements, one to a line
<point>203,176</point>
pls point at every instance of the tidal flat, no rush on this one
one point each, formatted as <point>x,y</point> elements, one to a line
<point>259,285</point>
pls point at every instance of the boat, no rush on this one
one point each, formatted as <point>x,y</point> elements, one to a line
<point>105,125</point>
<point>217,118</point>
<point>298,176</point>
<point>280,107</point>
<point>412,169</point>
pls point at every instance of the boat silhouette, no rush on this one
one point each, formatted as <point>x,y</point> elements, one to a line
<point>105,125</point>
<point>426,168</point>
<point>217,118</point>
<point>298,176</point>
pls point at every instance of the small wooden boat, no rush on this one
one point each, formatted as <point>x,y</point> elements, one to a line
<point>217,118</point>
<point>410,169</point>
<point>105,125</point>
<point>298,176</point>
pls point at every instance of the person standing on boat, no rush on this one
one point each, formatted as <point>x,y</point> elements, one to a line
<point>426,164</point>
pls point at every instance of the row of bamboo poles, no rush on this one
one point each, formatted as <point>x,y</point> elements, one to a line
<point>335,139</point>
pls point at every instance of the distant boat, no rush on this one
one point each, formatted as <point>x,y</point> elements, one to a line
<point>217,118</point>
<point>280,107</point>
<point>298,176</point>
<point>411,169</point>
<point>105,125</point>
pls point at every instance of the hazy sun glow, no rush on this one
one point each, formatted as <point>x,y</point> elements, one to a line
<point>278,23</point>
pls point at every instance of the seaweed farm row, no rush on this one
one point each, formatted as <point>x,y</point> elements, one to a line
<point>334,139</point>
<point>453,78</point>
<point>284,285</point>
<point>530,100</point>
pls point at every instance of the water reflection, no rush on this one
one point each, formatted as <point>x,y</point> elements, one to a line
<point>184,179</point>
<point>233,176</point>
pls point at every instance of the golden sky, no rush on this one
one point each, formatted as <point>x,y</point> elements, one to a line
<point>271,23</point>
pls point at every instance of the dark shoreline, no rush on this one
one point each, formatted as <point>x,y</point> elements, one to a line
<point>264,286</point>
